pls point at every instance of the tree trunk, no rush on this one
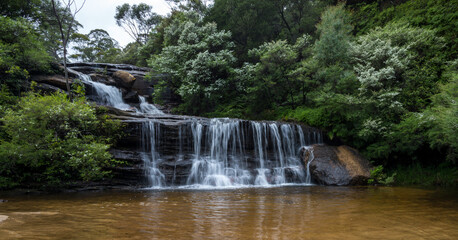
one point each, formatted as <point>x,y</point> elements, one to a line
<point>70,95</point>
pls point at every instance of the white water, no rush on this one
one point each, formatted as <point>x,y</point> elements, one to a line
<point>219,159</point>
<point>106,95</point>
<point>112,96</point>
<point>150,137</point>
<point>308,178</point>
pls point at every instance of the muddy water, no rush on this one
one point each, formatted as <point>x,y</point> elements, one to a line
<point>265,213</point>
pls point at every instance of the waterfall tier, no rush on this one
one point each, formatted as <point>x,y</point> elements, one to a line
<point>224,152</point>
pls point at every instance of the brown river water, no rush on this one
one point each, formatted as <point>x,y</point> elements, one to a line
<point>295,212</point>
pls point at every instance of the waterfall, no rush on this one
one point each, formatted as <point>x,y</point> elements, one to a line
<point>219,157</point>
<point>150,138</point>
<point>148,108</point>
<point>219,152</point>
<point>106,95</point>
<point>112,96</point>
<point>308,150</point>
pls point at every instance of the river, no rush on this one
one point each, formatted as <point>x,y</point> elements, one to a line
<point>291,212</point>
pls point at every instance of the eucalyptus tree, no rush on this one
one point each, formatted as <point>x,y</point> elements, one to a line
<point>137,20</point>
<point>94,46</point>
<point>70,8</point>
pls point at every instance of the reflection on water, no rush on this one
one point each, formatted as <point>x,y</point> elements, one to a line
<point>253,213</point>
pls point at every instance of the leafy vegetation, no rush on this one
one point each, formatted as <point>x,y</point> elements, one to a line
<point>52,141</point>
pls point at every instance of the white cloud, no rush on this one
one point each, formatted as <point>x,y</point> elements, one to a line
<point>100,14</point>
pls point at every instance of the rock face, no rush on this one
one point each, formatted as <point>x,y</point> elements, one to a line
<point>53,80</point>
<point>340,165</point>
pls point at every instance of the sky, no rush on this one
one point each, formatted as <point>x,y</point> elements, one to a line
<point>100,14</point>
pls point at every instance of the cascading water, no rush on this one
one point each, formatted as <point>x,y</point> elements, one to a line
<point>148,108</point>
<point>308,151</point>
<point>150,137</point>
<point>112,96</point>
<point>220,160</point>
<point>106,95</point>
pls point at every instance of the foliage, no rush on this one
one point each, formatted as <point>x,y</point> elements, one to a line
<point>198,58</point>
<point>19,8</point>
<point>379,177</point>
<point>334,43</point>
<point>137,20</point>
<point>96,46</point>
<point>52,140</point>
<point>254,23</point>
<point>443,134</point>
<point>439,15</point>
<point>444,174</point>
<point>20,53</point>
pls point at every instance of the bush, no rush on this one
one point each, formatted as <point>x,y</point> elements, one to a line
<point>53,141</point>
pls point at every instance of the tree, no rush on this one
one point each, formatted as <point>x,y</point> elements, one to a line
<point>443,134</point>
<point>19,8</point>
<point>47,25</point>
<point>198,6</point>
<point>335,35</point>
<point>252,22</point>
<point>65,27</point>
<point>21,53</point>
<point>199,60</point>
<point>137,20</point>
<point>94,46</point>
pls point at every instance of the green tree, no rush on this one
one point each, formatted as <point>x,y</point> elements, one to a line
<point>19,8</point>
<point>252,22</point>
<point>199,60</point>
<point>94,46</point>
<point>21,53</point>
<point>333,45</point>
<point>137,20</point>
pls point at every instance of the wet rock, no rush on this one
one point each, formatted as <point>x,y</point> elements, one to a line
<point>142,87</point>
<point>341,165</point>
<point>124,79</point>
<point>131,97</point>
<point>103,78</point>
<point>46,88</point>
<point>53,80</point>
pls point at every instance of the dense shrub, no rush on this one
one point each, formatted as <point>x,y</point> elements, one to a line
<point>53,141</point>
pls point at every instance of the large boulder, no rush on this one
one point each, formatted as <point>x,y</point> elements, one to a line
<point>124,79</point>
<point>341,165</point>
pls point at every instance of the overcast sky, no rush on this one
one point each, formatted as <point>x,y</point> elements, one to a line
<point>100,14</point>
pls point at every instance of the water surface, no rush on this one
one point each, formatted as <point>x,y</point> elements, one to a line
<point>306,212</point>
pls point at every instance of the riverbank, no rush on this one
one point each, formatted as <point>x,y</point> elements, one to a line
<point>443,175</point>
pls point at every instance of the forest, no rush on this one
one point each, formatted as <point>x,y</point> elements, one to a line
<point>380,76</point>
